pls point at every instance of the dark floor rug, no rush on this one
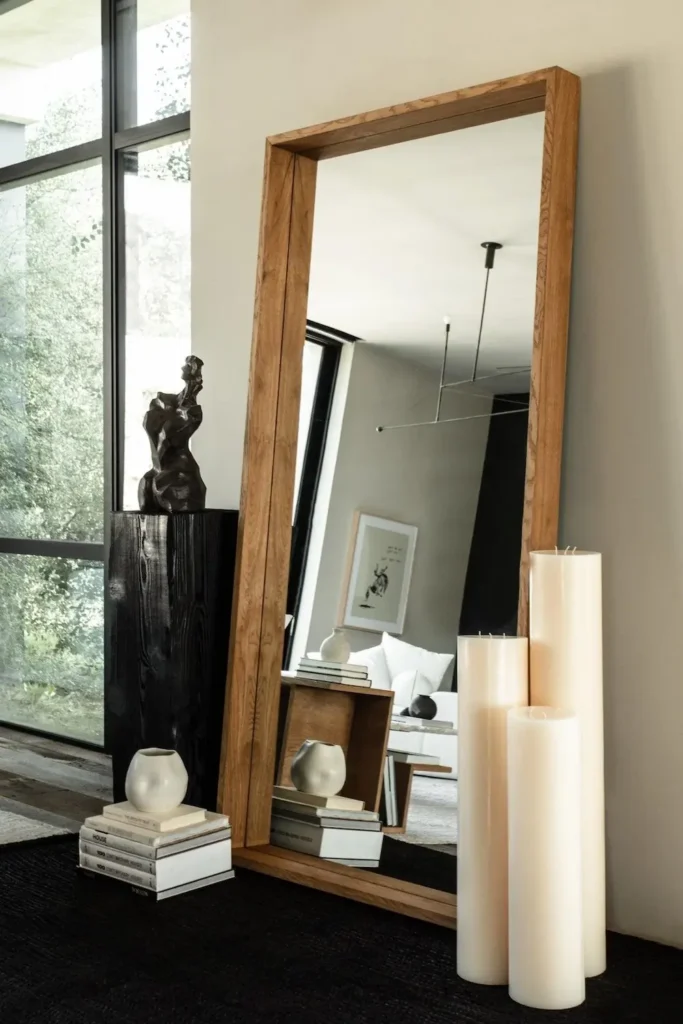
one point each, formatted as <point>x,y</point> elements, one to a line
<point>418,864</point>
<point>75,950</point>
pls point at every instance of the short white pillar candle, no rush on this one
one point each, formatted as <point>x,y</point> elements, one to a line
<point>493,676</point>
<point>544,823</point>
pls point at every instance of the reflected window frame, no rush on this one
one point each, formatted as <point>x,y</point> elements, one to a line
<point>119,65</point>
<point>332,342</point>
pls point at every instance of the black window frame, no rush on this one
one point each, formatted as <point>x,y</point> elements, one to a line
<point>114,150</point>
<point>332,342</point>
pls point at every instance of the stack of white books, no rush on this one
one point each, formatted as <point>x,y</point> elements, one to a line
<point>157,854</point>
<point>334,828</point>
<point>333,672</point>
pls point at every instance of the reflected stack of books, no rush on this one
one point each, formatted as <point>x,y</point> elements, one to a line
<point>333,672</point>
<point>158,855</point>
<point>334,828</point>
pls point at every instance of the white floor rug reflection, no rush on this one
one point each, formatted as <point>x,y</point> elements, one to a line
<point>433,812</point>
<point>15,828</point>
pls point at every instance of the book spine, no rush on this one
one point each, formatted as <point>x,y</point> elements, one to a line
<point>133,818</point>
<point>118,857</point>
<point>292,837</point>
<point>345,670</point>
<point>392,783</point>
<point>102,839</point>
<point>320,677</point>
<point>386,803</point>
<point>118,829</point>
<point>126,874</point>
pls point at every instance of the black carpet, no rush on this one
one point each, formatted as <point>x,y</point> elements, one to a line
<point>418,864</point>
<point>77,951</point>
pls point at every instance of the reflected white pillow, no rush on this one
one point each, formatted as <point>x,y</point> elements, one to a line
<point>401,657</point>
<point>409,685</point>
<point>376,662</point>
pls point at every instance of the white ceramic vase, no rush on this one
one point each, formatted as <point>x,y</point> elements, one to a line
<point>336,647</point>
<point>318,768</point>
<point>156,780</point>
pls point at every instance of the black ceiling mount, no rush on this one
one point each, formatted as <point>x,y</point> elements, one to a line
<point>490,253</point>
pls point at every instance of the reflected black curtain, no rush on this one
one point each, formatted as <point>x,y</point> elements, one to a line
<point>492,583</point>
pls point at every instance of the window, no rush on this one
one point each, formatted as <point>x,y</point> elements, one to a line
<point>94,317</point>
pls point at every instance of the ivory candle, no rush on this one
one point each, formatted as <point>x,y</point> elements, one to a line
<point>544,806</point>
<point>493,676</point>
<point>566,671</point>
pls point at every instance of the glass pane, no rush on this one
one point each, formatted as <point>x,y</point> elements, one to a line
<point>157,212</point>
<point>309,382</point>
<point>154,71</point>
<point>50,77</point>
<point>51,446</point>
<point>51,657</point>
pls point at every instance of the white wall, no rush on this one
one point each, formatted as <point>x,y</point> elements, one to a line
<point>428,477</point>
<point>270,66</point>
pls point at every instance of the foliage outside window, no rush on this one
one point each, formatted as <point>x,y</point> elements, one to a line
<point>53,484</point>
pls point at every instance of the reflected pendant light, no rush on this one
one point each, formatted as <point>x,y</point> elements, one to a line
<point>491,249</point>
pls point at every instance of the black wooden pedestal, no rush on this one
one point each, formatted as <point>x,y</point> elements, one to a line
<point>170,597</point>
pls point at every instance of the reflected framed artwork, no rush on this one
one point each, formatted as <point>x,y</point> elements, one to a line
<point>380,566</point>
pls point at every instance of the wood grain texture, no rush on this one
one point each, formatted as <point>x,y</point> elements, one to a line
<point>426,129</point>
<point>257,479</point>
<point>551,325</point>
<point>389,893</point>
<point>399,122</point>
<point>170,588</point>
<point>356,718</point>
<point>254,685</point>
<point>314,714</point>
<point>367,749</point>
<point>282,498</point>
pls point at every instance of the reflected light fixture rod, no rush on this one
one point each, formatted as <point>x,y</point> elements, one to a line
<point>447,326</point>
<point>488,263</point>
<point>491,248</point>
<point>457,419</point>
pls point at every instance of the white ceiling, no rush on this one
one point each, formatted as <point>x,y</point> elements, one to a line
<point>396,244</point>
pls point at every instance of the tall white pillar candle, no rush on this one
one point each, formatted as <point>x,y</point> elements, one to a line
<point>566,671</point>
<point>493,676</point>
<point>544,807</point>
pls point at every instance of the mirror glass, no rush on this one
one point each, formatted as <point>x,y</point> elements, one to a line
<point>409,490</point>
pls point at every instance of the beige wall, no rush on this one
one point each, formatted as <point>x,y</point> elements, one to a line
<point>428,477</point>
<point>269,66</point>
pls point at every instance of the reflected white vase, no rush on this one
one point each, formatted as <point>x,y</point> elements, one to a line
<point>336,647</point>
<point>318,768</point>
<point>156,780</point>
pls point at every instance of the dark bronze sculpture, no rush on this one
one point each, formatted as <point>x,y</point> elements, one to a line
<point>174,484</point>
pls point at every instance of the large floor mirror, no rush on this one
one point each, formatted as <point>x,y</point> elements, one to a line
<point>402,459</point>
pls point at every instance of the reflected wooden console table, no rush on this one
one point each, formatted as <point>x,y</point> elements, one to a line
<point>356,717</point>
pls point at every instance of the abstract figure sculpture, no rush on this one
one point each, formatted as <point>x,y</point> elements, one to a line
<point>174,484</point>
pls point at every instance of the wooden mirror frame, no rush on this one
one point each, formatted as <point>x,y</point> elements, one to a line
<point>253,686</point>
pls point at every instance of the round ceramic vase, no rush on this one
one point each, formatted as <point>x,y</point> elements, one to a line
<point>318,768</point>
<point>336,647</point>
<point>156,780</point>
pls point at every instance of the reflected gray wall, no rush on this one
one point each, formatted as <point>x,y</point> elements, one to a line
<point>428,477</point>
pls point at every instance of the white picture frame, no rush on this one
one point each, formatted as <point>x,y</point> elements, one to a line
<point>380,568</point>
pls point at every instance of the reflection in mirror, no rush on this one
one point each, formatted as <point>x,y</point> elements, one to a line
<point>409,485</point>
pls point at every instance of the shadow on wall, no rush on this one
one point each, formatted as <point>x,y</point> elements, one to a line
<point>621,493</point>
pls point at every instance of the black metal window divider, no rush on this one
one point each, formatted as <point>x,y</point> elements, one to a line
<point>119,72</point>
